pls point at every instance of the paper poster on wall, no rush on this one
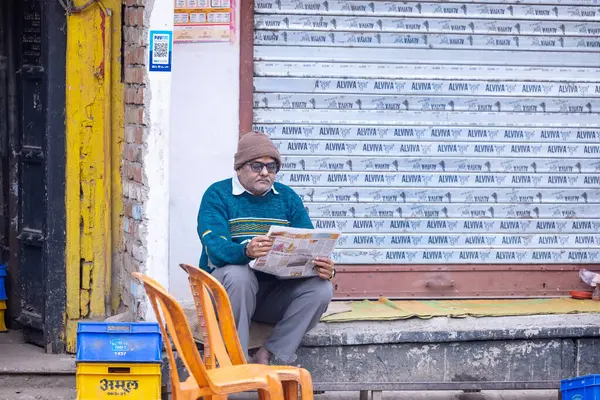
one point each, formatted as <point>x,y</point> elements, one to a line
<point>198,21</point>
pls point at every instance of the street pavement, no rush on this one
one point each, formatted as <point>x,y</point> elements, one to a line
<point>69,394</point>
<point>437,395</point>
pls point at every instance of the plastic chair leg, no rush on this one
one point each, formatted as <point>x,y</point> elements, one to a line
<point>290,390</point>
<point>275,390</point>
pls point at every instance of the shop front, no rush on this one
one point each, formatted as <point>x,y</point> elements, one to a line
<point>454,144</point>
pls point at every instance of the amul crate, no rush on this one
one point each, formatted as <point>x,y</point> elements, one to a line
<point>127,342</point>
<point>97,381</point>
<point>581,388</point>
<point>2,311</point>
<point>2,296</point>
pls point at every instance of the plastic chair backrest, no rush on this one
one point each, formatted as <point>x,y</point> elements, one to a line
<point>178,327</point>
<point>220,333</point>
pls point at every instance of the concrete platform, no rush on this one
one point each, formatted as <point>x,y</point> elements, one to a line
<point>28,373</point>
<point>522,357</point>
<point>415,356</point>
<point>37,394</point>
<point>19,357</point>
<point>440,329</point>
<point>494,353</point>
<point>445,395</point>
<point>69,394</point>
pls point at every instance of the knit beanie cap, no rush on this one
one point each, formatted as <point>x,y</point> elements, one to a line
<point>253,145</point>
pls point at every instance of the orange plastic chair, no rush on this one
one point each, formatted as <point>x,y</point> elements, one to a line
<point>222,345</point>
<point>214,384</point>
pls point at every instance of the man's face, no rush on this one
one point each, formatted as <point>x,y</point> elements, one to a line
<point>257,176</point>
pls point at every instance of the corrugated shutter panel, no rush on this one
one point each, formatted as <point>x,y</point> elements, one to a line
<point>452,133</point>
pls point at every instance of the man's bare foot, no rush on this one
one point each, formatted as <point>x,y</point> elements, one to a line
<point>262,356</point>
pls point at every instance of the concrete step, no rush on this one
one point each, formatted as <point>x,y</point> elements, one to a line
<point>28,393</point>
<point>27,372</point>
<point>37,381</point>
<point>431,395</point>
<point>20,358</point>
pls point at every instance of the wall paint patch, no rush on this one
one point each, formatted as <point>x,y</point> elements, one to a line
<point>161,49</point>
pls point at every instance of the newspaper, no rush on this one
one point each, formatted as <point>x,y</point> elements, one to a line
<point>294,249</point>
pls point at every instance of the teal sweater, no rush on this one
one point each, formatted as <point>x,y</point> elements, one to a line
<point>227,222</point>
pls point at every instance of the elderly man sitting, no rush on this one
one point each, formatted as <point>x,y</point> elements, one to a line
<point>234,217</point>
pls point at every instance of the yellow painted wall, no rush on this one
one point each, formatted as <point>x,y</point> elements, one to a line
<point>94,119</point>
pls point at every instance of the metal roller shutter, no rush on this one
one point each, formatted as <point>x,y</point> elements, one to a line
<point>437,133</point>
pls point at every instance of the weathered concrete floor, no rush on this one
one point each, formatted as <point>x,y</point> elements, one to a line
<point>18,357</point>
<point>447,395</point>
<point>37,394</point>
<point>69,394</point>
<point>28,373</point>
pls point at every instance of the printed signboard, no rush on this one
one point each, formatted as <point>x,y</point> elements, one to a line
<point>463,225</point>
<point>438,164</point>
<point>336,23</point>
<point>467,256</point>
<point>425,103</point>
<point>449,241</point>
<point>459,10</point>
<point>523,195</point>
<point>448,149</point>
<point>559,134</point>
<point>442,210</point>
<point>305,68</point>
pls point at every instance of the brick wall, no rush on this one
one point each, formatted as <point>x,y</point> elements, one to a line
<point>132,252</point>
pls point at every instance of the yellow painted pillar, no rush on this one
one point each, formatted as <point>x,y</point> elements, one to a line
<point>94,137</point>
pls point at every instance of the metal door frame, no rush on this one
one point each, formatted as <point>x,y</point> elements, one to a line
<point>54,58</point>
<point>51,70</point>
<point>8,168</point>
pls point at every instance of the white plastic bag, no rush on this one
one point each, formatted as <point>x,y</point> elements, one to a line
<point>590,278</point>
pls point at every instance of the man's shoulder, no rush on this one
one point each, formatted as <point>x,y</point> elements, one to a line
<point>220,187</point>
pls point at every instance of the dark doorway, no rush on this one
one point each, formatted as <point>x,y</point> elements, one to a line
<point>32,172</point>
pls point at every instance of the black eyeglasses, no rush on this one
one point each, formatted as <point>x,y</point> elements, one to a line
<point>257,167</point>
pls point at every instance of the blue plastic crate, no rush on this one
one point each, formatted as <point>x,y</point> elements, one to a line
<point>131,342</point>
<point>581,388</point>
<point>2,282</point>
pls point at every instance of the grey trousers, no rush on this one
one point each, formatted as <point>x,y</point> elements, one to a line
<point>293,305</point>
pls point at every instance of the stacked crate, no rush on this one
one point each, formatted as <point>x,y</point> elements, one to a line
<point>118,360</point>
<point>2,297</point>
<point>581,388</point>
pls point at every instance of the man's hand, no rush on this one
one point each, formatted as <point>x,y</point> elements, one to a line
<point>324,267</point>
<point>259,246</point>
